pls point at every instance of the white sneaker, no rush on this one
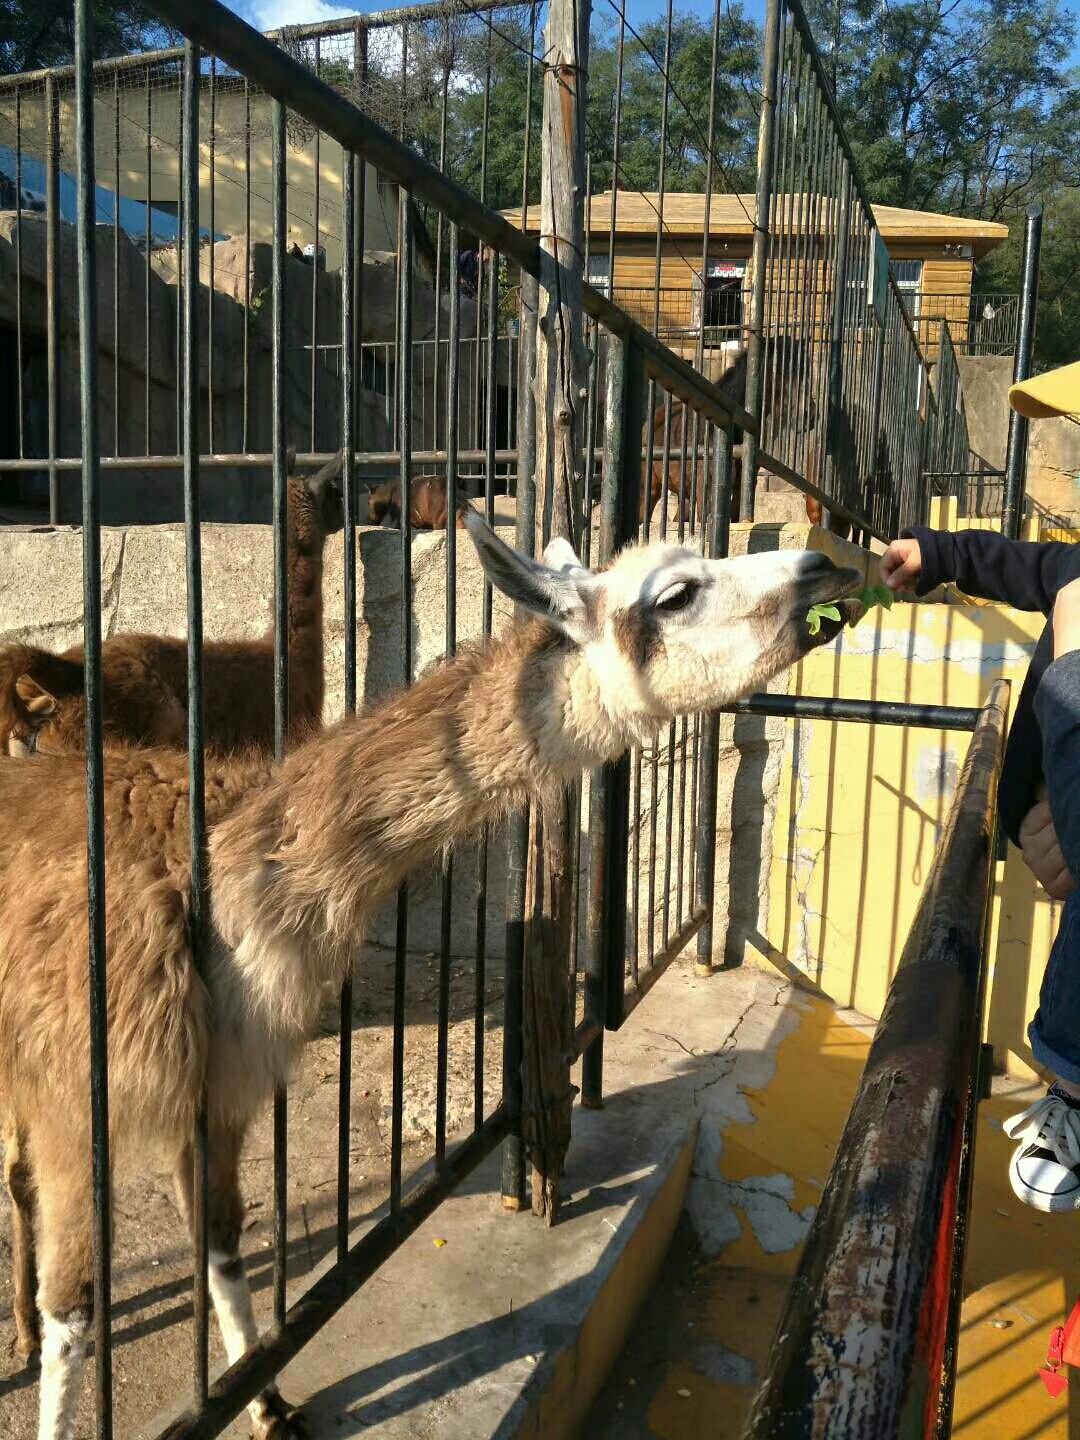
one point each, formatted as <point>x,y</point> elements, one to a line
<point>1045,1168</point>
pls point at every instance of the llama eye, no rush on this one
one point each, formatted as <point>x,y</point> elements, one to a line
<point>676,597</point>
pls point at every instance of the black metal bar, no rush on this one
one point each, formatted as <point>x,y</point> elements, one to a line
<point>189,261</point>
<point>661,960</point>
<point>116,266</point>
<point>404,373</point>
<point>258,1367</point>
<point>350,296</point>
<point>95,778</point>
<point>766,146</point>
<point>315,276</point>
<point>52,287</point>
<point>1016,456</point>
<point>18,270</point>
<point>281,636</point>
<point>867,712</point>
<point>211,288</point>
<point>512,1185</point>
<point>709,758</point>
<point>446,918</point>
<point>148,269</point>
<point>870,1315</point>
<point>491,379</point>
<point>247,256</point>
<point>598,952</point>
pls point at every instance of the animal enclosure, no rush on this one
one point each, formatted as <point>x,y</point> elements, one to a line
<point>382,339</point>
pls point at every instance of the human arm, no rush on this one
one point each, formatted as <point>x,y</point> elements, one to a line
<point>981,563</point>
<point>1057,709</point>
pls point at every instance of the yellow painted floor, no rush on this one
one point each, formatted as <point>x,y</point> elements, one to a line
<point>1022,1270</point>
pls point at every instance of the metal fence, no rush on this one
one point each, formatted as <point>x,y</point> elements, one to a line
<point>869,1330</point>
<point>233,363</point>
<point>981,324</point>
<point>836,372</point>
<point>673,794</point>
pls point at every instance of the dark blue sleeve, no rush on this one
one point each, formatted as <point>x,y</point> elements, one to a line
<point>986,565</point>
<point>1057,709</point>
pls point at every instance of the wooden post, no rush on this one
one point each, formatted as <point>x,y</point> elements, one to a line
<point>560,388</point>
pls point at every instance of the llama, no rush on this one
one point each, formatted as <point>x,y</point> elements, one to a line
<point>299,855</point>
<point>144,702</point>
<point>783,362</point>
<point>427,503</point>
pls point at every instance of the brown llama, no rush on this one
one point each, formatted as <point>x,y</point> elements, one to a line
<point>144,701</point>
<point>299,855</point>
<point>427,503</point>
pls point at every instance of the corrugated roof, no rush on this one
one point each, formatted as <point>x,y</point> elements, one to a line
<point>732,215</point>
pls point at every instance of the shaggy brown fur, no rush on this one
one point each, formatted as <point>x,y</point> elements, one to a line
<point>427,503</point>
<point>144,700</point>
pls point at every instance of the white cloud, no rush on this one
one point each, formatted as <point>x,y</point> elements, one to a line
<point>276,14</point>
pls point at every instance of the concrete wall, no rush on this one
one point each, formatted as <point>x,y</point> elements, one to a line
<point>1053,471</point>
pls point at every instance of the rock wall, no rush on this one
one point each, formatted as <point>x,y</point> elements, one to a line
<point>1053,468</point>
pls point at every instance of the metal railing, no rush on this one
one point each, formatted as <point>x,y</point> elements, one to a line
<point>866,1344</point>
<point>981,324</point>
<point>695,454</point>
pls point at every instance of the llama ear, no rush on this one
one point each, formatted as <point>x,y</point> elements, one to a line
<point>35,698</point>
<point>556,596</point>
<point>560,555</point>
<point>290,459</point>
<point>318,482</point>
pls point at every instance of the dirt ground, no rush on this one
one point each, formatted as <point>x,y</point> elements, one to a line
<point>152,1329</point>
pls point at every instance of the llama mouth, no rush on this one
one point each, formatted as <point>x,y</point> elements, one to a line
<point>839,590</point>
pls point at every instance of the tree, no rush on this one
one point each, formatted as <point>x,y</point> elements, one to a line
<point>35,34</point>
<point>967,107</point>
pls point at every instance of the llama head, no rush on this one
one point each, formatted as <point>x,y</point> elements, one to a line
<point>384,503</point>
<point>316,507</point>
<point>664,631</point>
<point>42,704</point>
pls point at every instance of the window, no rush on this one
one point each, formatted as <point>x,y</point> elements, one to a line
<point>723,297</point>
<point>599,275</point>
<point>908,277</point>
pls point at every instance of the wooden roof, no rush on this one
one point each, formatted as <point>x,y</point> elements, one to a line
<point>731,217</point>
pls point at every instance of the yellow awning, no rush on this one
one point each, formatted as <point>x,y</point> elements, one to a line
<point>1057,392</point>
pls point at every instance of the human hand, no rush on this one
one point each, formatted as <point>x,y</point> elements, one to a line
<point>901,565</point>
<point>1067,619</point>
<point>1042,853</point>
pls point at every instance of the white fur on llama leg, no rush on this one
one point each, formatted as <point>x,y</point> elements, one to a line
<point>63,1354</point>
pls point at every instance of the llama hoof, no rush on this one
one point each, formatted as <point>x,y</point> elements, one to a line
<point>28,1350</point>
<point>280,1420</point>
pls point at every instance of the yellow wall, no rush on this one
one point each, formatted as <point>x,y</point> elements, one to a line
<point>860,809</point>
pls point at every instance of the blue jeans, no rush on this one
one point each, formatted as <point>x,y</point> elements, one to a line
<point>1055,1031</point>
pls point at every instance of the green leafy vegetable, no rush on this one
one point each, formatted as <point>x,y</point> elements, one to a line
<point>867,597</point>
<point>817,613</point>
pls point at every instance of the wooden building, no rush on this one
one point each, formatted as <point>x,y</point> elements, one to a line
<point>932,259</point>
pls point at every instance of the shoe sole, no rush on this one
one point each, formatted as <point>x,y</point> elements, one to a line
<point>1037,1200</point>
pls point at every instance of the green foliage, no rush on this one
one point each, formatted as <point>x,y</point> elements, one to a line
<point>38,33</point>
<point>969,109</point>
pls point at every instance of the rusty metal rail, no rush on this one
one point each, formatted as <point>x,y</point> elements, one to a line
<point>866,1346</point>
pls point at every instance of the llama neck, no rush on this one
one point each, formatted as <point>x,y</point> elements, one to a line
<point>353,811</point>
<point>306,542</point>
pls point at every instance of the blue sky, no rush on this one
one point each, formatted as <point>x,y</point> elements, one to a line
<point>269,14</point>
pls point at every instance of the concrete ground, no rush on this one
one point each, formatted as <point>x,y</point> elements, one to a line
<point>726,1097</point>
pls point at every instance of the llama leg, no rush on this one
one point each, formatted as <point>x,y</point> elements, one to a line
<point>20,1184</point>
<point>271,1417</point>
<point>65,1295</point>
